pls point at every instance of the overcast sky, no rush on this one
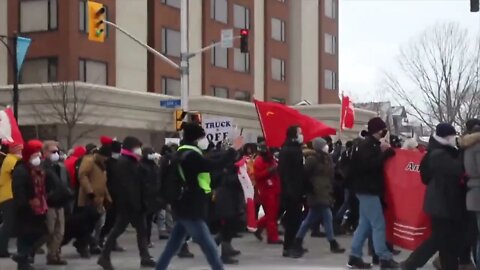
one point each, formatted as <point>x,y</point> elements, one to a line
<point>372,31</point>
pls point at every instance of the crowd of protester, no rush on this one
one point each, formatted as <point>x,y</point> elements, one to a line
<point>211,193</point>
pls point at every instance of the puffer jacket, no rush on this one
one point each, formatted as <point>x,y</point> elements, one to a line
<point>319,173</point>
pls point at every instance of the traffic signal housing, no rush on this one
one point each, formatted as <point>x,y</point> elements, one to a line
<point>179,116</point>
<point>97,14</point>
<point>474,5</point>
<point>244,40</point>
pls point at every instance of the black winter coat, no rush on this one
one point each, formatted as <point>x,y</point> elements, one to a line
<point>130,185</point>
<point>442,172</point>
<point>151,186</point>
<point>26,223</point>
<point>59,194</point>
<point>291,171</point>
<point>112,182</point>
<point>367,167</point>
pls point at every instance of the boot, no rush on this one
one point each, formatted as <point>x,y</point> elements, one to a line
<point>258,234</point>
<point>229,260</point>
<point>297,250</point>
<point>147,262</point>
<point>22,262</point>
<point>82,250</point>
<point>105,263</point>
<point>357,263</point>
<point>335,247</point>
<point>55,260</point>
<point>185,253</point>
<point>95,249</point>
<point>228,250</point>
<point>389,264</point>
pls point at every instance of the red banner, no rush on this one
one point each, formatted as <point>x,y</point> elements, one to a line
<point>407,224</point>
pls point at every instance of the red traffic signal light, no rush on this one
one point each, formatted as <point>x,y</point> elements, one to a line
<point>244,40</point>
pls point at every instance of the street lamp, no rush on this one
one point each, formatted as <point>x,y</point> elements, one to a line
<point>20,48</point>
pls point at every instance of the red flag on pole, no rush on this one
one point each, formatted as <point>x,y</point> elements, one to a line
<point>276,118</point>
<point>347,119</point>
<point>9,131</point>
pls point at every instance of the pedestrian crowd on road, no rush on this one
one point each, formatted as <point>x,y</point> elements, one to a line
<point>209,194</point>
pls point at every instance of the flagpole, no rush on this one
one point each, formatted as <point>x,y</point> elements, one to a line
<point>341,118</point>
<point>15,78</point>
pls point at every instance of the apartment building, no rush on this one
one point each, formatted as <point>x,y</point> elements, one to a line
<point>293,47</point>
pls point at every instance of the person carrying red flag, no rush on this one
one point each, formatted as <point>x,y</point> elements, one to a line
<point>268,185</point>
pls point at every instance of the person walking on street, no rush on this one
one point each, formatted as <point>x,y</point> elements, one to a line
<point>131,204</point>
<point>6,197</point>
<point>368,185</point>
<point>290,169</point>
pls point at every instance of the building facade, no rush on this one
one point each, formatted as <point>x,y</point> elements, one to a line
<point>293,47</point>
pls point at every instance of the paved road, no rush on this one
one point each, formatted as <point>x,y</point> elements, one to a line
<point>255,256</point>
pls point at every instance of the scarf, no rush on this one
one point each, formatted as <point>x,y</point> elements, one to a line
<point>129,153</point>
<point>38,179</point>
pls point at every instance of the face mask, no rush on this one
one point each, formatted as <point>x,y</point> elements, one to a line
<point>326,149</point>
<point>138,151</point>
<point>35,161</point>
<point>115,155</point>
<point>300,138</point>
<point>54,157</point>
<point>452,141</point>
<point>203,144</point>
<point>154,156</point>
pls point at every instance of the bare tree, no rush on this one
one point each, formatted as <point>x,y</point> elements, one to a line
<point>68,107</point>
<point>439,76</point>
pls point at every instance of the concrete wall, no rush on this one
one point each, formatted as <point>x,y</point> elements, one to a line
<point>131,58</point>
<point>3,51</point>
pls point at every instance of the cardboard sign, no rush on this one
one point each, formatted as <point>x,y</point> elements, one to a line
<point>218,129</point>
<point>407,224</point>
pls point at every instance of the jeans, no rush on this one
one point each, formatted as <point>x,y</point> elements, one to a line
<point>6,229</point>
<point>315,214</point>
<point>371,221</point>
<point>199,231</point>
<point>165,220</point>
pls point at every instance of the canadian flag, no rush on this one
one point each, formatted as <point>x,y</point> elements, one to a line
<point>9,131</point>
<point>347,119</point>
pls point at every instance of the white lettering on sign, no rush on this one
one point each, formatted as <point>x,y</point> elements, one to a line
<point>218,129</point>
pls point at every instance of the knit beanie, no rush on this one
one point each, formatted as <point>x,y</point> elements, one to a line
<point>192,132</point>
<point>32,147</point>
<point>375,125</point>
<point>318,144</point>
<point>106,147</point>
<point>444,130</point>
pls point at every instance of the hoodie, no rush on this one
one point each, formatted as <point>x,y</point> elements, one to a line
<point>70,162</point>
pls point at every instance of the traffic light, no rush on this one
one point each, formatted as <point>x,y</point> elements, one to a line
<point>179,116</point>
<point>96,25</point>
<point>244,40</point>
<point>195,117</point>
<point>474,5</point>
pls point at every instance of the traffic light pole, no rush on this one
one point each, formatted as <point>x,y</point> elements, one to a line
<point>184,57</point>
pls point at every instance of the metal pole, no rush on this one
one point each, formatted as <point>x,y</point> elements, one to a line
<point>15,78</point>
<point>184,64</point>
<point>150,49</point>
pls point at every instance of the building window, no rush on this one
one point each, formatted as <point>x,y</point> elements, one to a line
<point>219,10</point>
<point>241,61</point>
<point>331,8</point>
<point>278,100</point>
<point>330,80</point>
<point>83,17</point>
<point>171,42</point>
<point>242,95</point>
<point>221,92</point>
<point>38,15</point>
<point>278,29</point>
<point>171,86</point>
<point>172,3</point>
<point>41,70</point>
<point>330,44</point>
<point>241,17</point>
<point>219,57</point>
<point>278,69</point>
<point>91,71</point>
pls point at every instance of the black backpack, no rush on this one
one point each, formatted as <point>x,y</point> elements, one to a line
<point>173,184</point>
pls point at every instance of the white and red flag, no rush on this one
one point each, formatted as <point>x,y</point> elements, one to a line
<point>9,131</point>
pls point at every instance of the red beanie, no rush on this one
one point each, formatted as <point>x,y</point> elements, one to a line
<point>30,148</point>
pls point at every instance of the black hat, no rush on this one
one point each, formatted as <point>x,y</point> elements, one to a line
<point>444,130</point>
<point>116,146</point>
<point>91,147</point>
<point>471,123</point>
<point>105,150</point>
<point>375,125</point>
<point>192,132</point>
<point>130,142</point>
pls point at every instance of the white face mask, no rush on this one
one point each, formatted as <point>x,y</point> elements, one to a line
<point>452,141</point>
<point>154,156</point>
<point>54,157</point>
<point>115,155</point>
<point>203,143</point>
<point>300,138</point>
<point>35,161</point>
<point>325,148</point>
<point>138,151</point>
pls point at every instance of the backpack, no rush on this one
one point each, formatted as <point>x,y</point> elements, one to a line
<point>173,184</point>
